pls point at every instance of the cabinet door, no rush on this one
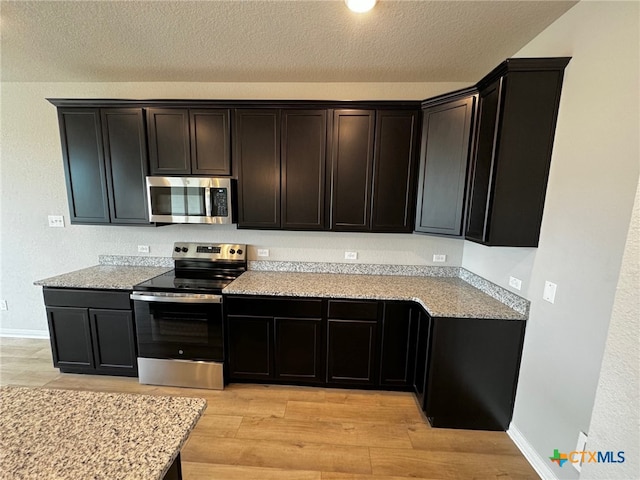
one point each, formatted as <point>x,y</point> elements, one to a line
<point>444,157</point>
<point>169,152</point>
<point>82,152</point>
<point>126,164</point>
<point>351,351</point>
<point>397,359</point>
<point>394,175</point>
<point>114,343</point>
<point>473,372</point>
<point>257,156</point>
<point>423,338</point>
<point>70,338</point>
<point>210,138</point>
<point>351,169</point>
<point>483,161</point>
<point>304,139</point>
<point>250,347</point>
<point>298,349</point>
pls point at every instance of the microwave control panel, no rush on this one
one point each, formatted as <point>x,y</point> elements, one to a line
<point>219,207</point>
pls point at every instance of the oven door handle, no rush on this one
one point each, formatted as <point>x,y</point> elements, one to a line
<point>169,297</point>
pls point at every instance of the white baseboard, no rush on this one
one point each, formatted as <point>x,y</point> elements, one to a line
<point>538,463</point>
<point>21,333</point>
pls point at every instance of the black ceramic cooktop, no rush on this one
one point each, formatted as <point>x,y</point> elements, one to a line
<point>169,282</point>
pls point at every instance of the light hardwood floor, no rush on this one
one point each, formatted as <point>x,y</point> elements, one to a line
<point>283,433</point>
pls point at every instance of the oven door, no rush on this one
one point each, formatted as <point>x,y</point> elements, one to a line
<point>179,326</point>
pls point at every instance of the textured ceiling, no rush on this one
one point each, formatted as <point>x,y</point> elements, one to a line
<point>264,41</point>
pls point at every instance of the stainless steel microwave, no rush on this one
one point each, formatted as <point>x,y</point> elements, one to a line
<point>190,200</point>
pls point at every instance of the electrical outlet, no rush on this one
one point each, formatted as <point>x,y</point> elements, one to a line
<point>350,255</point>
<point>263,252</point>
<point>515,283</point>
<point>549,293</point>
<point>3,305</point>
<point>439,258</point>
<point>143,248</point>
<point>581,446</point>
<point>56,221</point>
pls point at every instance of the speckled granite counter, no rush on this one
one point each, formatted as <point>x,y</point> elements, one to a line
<point>65,434</point>
<point>440,296</point>
<point>104,277</point>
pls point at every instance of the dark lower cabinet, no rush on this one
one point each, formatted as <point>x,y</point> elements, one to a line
<point>70,335</point>
<point>275,339</point>
<point>91,340</point>
<point>397,355</point>
<point>351,351</point>
<point>250,343</point>
<point>473,367</point>
<point>422,342</point>
<point>298,349</point>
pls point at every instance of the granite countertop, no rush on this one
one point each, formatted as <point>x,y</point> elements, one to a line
<point>116,277</point>
<point>440,296</point>
<point>65,434</point>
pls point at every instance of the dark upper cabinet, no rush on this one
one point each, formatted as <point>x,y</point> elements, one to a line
<point>210,141</point>
<point>126,164</point>
<point>257,157</point>
<point>189,141</point>
<point>394,169</point>
<point>83,155</point>
<point>518,108</point>
<point>444,158</point>
<point>105,161</point>
<point>304,142</point>
<point>351,169</point>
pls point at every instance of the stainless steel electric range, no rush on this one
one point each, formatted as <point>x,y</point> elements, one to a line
<point>179,316</point>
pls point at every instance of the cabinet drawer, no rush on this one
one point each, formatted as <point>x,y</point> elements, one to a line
<point>274,307</point>
<point>69,297</point>
<point>353,310</point>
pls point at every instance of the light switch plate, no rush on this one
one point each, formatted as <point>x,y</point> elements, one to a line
<point>350,255</point>
<point>515,283</point>
<point>3,305</point>
<point>549,293</point>
<point>581,446</point>
<point>263,252</point>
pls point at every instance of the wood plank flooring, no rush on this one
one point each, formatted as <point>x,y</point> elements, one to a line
<point>299,433</point>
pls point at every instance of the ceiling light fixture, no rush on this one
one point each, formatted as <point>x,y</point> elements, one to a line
<point>360,6</point>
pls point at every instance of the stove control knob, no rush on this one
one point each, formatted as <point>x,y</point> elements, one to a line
<point>239,252</point>
<point>177,249</point>
<point>232,251</point>
<point>180,352</point>
<point>185,249</point>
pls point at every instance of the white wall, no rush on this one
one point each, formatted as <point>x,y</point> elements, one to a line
<point>32,186</point>
<point>591,190</point>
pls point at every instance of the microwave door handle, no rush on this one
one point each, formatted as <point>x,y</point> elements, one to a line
<point>207,201</point>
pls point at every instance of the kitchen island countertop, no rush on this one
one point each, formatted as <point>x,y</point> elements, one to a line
<point>440,296</point>
<point>67,434</point>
